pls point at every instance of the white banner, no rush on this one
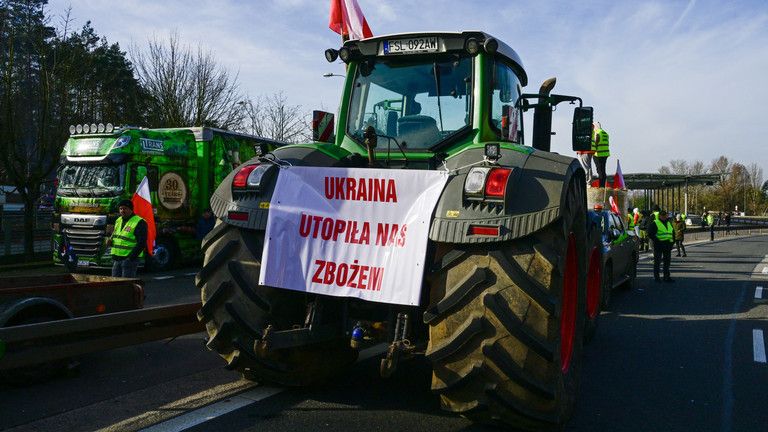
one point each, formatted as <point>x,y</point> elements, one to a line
<point>350,232</point>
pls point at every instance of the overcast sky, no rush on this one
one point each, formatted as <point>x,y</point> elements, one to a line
<point>668,79</point>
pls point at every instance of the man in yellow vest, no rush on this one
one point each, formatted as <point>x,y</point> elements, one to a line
<point>662,232</point>
<point>128,241</point>
<point>602,151</point>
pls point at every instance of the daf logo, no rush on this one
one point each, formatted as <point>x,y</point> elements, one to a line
<point>81,220</point>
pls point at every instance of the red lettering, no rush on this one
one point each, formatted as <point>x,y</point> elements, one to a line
<point>338,229</point>
<point>365,236</point>
<point>317,220</point>
<point>341,274</point>
<point>355,268</point>
<point>329,187</point>
<point>330,272</point>
<point>339,187</point>
<point>327,228</point>
<point>362,191</point>
<point>378,191</point>
<point>382,234</point>
<point>320,266</point>
<point>350,189</point>
<point>377,274</point>
<point>361,283</point>
<point>401,238</point>
<point>305,225</point>
<point>391,191</point>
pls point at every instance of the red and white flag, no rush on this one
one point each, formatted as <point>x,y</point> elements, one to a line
<point>142,206</point>
<point>618,179</point>
<point>614,206</point>
<point>347,19</point>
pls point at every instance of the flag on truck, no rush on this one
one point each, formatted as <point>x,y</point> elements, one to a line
<point>347,19</point>
<point>618,178</point>
<point>142,206</point>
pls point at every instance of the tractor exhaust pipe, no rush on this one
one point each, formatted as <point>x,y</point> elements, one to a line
<point>542,117</point>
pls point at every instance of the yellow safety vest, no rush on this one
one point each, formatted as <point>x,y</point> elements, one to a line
<point>601,149</point>
<point>655,215</point>
<point>630,221</point>
<point>665,231</point>
<point>123,238</point>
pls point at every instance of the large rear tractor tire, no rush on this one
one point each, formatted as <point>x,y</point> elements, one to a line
<point>506,324</point>
<point>236,310</point>
<point>596,294</point>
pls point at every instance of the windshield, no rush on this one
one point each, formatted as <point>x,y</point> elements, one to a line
<point>95,180</point>
<point>420,103</point>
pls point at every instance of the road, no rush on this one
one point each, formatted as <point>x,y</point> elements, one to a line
<point>675,357</point>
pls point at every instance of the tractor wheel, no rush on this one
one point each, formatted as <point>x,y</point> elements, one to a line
<point>506,323</point>
<point>236,310</point>
<point>595,294</point>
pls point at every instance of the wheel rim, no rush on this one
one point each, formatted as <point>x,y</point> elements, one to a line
<point>593,284</point>
<point>569,300</point>
<point>161,256</point>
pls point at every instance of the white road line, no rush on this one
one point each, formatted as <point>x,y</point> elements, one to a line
<point>163,277</point>
<point>759,292</point>
<point>202,415</point>
<point>758,344</point>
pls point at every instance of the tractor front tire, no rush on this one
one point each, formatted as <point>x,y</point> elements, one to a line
<point>506,324</point>
<point>236,310</point>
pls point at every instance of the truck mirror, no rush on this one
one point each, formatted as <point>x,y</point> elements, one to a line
<point>582,128</point>
<point>322,126</point>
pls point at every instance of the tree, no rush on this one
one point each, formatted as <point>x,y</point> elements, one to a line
<point>186,88</point>
<point>272,117</point>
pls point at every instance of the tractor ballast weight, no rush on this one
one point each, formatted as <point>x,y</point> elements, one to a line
<point>503,299</point>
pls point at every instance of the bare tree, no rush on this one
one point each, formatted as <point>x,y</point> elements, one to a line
<point>186,87</point>
<point>272,117</point>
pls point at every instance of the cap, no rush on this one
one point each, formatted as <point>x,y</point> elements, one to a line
<point>126,203</point>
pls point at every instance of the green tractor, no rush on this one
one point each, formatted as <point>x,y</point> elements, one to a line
<point>502,304</point>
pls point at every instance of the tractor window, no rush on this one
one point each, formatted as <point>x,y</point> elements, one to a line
<point>419,102</point>
<point>506,117</point>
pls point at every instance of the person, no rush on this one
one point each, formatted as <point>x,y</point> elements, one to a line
<point>128,241</point>
<point>602,151</point>
<point>645,221</point>
<point>585,158</point>
<point>629,219</point>
<point>711,223</point>
<point>205,224</point>
<point>636,221</point>
<point>679,226</point>
<point>656,210</point>
<point>661,232</point>
<point>727,222</point>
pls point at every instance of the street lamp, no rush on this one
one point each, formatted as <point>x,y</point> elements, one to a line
<point>331,74</point>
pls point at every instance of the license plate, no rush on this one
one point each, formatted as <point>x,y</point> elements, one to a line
<point>83,263</point>
<point>410,46</point>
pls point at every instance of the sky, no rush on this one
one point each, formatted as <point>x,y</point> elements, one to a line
<point>667,79</point>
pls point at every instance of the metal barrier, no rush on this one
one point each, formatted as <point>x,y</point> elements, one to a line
<point>12,233</point>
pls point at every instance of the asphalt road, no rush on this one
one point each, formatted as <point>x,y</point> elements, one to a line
<point>666,357</point>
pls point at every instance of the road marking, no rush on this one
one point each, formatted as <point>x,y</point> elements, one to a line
<point>759,292</point>
<point>758,344</point>
<point>226,406</point>
<point>202,415</point>
<point>162,277</point>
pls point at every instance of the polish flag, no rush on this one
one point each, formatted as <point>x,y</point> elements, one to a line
<point>618,179</point>
<point>614,206</point>
<point>142,206</point>
<point>347,19</point>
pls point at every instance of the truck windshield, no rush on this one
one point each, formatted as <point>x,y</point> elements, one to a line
<point>419,102</point>
<point>91,180</point>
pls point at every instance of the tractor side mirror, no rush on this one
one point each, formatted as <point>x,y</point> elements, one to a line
<point>322,126</point>
<point>582,128</point>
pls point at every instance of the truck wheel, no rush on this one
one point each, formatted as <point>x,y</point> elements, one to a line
<point>506,322</point>
<point>165,255</point>
<point>236,310</point>
<point>595,294</point>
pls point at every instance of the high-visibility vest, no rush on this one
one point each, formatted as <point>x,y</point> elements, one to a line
<point>630,221</point>
<point>655,215</point>
<point>665,231</point>
<point>601,149</point>
<point>123,238</point>
<point>710,220</point>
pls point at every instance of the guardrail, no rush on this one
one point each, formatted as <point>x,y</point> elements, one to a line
<point>45,342</point>
<point>12,233</point>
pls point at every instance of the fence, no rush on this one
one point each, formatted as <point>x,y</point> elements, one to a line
<point>12,233</point>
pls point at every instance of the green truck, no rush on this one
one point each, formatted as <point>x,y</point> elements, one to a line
<point>101,165</point>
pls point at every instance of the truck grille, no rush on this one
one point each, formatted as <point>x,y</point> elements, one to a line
<point>85,241</point>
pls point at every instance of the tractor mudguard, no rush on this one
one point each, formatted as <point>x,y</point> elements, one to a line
<point>42,306</point>
<point>534,196</point>
<point>256,204</point>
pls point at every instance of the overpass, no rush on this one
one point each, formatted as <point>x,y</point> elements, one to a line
<point>669,191</point>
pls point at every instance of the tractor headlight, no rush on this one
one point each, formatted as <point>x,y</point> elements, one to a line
<point>475,181</point>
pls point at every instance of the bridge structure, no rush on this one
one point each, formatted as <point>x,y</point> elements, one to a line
<point>669,191</point>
